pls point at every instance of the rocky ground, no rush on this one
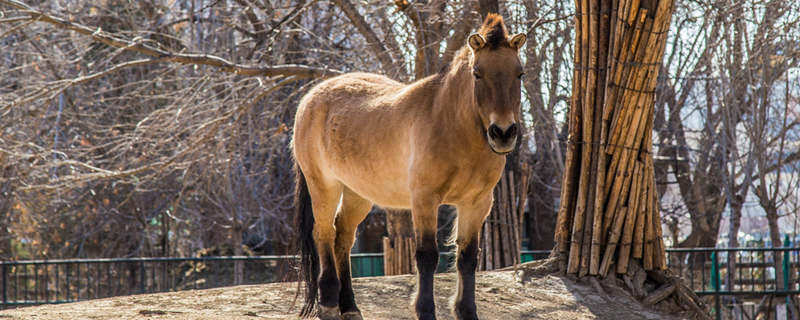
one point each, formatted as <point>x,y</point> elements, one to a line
<point>500,296</point>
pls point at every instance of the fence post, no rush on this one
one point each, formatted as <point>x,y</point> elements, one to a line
<point>142,277</point>
<point>69,296</point>
<point>785,267</point>
<point>786,244</point>
<point>715,284</point>
<point>5,284</point>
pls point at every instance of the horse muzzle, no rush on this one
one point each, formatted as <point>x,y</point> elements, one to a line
<point>502,140</point>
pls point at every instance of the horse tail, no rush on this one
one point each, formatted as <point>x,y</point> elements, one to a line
<point>304,226</point>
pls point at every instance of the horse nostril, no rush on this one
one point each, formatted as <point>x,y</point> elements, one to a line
<point>511,132</point>
<point>495,132</point>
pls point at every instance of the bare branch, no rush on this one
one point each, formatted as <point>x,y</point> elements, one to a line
<point>375,44</point>
<point>298,71</point>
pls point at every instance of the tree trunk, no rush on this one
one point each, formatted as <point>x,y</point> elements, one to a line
<point>609,213</point>
<point>770,207</point>
<point>6,201</point>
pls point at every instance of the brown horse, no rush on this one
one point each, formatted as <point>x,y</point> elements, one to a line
<point>362,139</point>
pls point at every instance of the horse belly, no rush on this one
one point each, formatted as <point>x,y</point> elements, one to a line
<point>383,184</point>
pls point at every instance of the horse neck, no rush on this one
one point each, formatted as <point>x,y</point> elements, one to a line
<point>456,105</point>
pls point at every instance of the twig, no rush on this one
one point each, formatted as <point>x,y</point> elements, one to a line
<point>97,34</point>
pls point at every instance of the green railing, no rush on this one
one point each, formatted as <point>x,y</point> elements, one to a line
<point>733,278</point>
<point>718,273</point>
<point>34,282</point>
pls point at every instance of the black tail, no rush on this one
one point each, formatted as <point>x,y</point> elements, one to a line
<point>304,226</point>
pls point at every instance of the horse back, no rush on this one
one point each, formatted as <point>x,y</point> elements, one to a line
<point>356,129</point>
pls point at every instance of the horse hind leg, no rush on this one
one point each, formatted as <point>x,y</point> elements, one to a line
<point>325,200</point>
<point>352,211</point>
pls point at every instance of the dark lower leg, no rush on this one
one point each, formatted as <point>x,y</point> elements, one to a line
<point>427,255</point>
<point>465,298</point>
<point>347,300</point>
<point>328,281</point>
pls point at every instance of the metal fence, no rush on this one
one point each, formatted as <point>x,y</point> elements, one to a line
<point>738,282</point>
<point>35,282</point>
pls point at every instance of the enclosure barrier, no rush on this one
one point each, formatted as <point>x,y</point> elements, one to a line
<point>742,282</point>
<point>739,282</point>
<point>35,282</point>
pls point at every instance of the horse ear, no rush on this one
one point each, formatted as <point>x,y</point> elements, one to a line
<point>517,40</point>
<point>476,41</point>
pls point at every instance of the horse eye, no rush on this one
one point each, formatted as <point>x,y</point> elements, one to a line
<point>520,75</point>
<point>476,75</point>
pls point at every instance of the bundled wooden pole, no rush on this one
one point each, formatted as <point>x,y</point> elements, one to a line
<point>398,256</point>
<point>609,213</point>
<point>398,247</point>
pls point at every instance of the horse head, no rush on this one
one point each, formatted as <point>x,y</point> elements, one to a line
<point>497,71</point>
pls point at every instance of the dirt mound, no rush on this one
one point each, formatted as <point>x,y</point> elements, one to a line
<point>500,296</point>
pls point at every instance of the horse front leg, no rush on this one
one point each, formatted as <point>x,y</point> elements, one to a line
<point>427,255</point>
<point>470,220</point>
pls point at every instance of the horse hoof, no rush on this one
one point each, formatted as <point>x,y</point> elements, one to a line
<point>328,313</point>
<point>426,316</point>
<point>352,315</point>
<point>461,314</point>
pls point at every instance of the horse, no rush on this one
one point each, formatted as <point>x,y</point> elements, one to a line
<point>362,139</point>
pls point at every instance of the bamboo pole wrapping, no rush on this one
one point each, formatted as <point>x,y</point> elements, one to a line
<point>611,216</point>
<point>578,231</point>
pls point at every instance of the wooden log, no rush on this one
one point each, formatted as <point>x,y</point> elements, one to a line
<point>402,263</point>
<point>408,261</point>
<point>647,258</point>
<point>614,174</point>
<point>496,254</point>
<point>616,231</point>
<point>523,204</point>
<point>579,247</point>
<point>387,257</point>
<point>412,256</point>
<point>513,223</point>
<point>399,246</point>
<point>629,85</point>
<point>628,154</point>
<point>591,146</point>
<point>599,131</point>
<point>505,221</point>
<point>608,256</point>
<point>482,246</point>
<point>487,247</point>
<point>564,218</point>
<point>630,225</point>
<point>500,222</point>
<point>642,85</point>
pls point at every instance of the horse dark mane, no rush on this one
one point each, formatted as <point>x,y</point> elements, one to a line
<point>494,31</point>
